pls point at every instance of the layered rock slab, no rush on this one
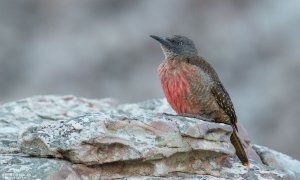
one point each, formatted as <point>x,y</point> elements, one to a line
<point>101,139</point>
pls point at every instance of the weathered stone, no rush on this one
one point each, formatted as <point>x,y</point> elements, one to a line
<point>24,167</point>
<point>80,138</point>
<point>98,138</point>
<point>278,160</point>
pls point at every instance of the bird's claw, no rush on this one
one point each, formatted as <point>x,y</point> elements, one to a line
<point>198,116</point>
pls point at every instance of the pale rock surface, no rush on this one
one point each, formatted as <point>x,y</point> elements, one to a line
<point>66,137</point>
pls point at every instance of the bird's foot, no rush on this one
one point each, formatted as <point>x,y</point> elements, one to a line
<point>167,114</point>
<point>198,116</point>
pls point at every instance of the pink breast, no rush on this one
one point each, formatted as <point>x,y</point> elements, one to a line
<point>176,86</point>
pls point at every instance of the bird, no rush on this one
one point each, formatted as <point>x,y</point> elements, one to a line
<point>192,87</point>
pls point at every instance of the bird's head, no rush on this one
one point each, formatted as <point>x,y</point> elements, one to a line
<point>176,45</point>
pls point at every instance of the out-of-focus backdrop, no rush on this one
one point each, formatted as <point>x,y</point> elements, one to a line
<point>101,48</point>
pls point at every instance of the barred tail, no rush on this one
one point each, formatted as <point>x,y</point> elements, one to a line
<point>239,148</point>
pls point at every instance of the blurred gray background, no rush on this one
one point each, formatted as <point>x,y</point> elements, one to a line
<point>101,48</point>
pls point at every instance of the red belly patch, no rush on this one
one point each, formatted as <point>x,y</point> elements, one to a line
<point>176,85</point>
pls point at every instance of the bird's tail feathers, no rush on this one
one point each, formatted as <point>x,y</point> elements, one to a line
<point>239,148</point>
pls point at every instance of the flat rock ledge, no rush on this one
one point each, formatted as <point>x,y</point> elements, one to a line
<point>67,137</point>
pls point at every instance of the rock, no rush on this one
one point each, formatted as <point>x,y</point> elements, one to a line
<point>61,137</point>
<point>278,160</point>
<point>17,166</point>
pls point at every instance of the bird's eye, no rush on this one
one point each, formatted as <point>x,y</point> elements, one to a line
<point>180,43</point>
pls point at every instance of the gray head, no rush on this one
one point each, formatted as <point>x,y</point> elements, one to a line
<point>176,45</point>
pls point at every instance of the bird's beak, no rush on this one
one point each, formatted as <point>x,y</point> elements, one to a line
<point>162,41</point>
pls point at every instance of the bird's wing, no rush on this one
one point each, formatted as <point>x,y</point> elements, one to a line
<point>221,95</point>
<point>224,101</point>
